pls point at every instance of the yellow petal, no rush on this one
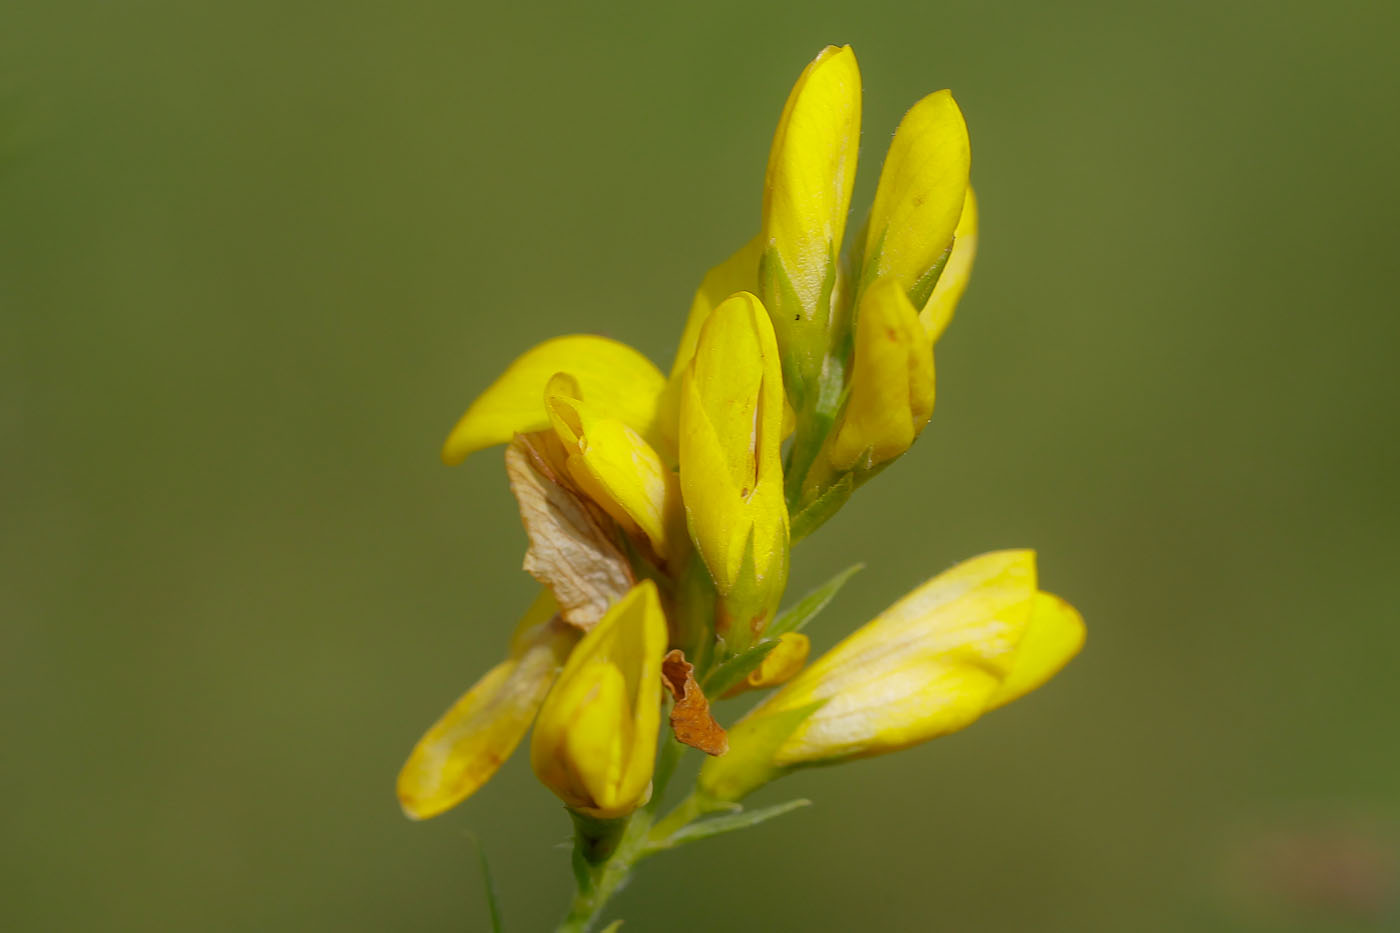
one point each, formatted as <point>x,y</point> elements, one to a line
<point>892,386</point>
<point>618,470</point>
<point>478,733</point>
<point>738,273</point>
<point>595,738</point>
<point>730,454</point>
<point>811,169</point>
<point>1055,635</point>
<point>920,195</point>
<point>953,282</point>
<point>610,375</point>
<point>925,667</point>
<point>782,663</point>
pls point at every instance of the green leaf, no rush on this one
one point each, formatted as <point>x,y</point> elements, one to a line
<point>737,668</point>
<point>729,823</point>
<point>813,515</point>
<point>492,902</point>
<point>613,927</point>
<point>794,619</point>
<point>753,744</point>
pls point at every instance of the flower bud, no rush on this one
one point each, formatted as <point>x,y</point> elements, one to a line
<point>919,197</point>
<point>595,739</point>
<point>891,390</point>
<point>970,640</point>
<point>806,196</point>
<point>731,422</point>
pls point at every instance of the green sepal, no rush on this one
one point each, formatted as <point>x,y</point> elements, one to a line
<point>728,823</point>
<point>734,670</point>
<point>919,294</point>
<point>813,515</point>
<point>595,840</point>
<point>753,745</point>
<point>796,618</point>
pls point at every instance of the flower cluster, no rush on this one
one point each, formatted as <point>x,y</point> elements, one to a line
<point>661,510</point>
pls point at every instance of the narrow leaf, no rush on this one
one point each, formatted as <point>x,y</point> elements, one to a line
<point>794,619</point>
<point>488,882</point>
<point>731,822</point>
<point>738,667</point>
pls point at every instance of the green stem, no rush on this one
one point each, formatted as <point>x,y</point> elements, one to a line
<point>686,812</point>
<point>599,880</point>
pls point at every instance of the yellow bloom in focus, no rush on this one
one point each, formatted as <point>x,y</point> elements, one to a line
<point>891,390</point>
<point>595,738</point>
<point>615,467</point>
<point>920,196</point>
<point>806,196</point>
<point>475,737</point>
<point>611,376</point>
<point>970,640</point>
<point>731,426</point>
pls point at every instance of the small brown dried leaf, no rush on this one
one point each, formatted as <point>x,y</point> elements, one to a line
<point>690,716</point>
<point>571,549</point>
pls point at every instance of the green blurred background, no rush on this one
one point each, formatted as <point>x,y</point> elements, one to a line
<point>255,258</point>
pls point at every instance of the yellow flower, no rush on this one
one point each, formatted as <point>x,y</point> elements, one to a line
<point>595,739</point>
<point>615,467</point>
<point>731,426</point>
<point>968,641</point>
<point>473,738</point>
<point>611,376</point>
<point>920,196</point>
<point>891,389</point>
<point>806,196</point>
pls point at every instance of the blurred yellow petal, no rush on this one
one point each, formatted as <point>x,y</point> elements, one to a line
<point>478,733</point>
<point>1054,636</point>
<point>610,376</point>
<point>937,314</point>
<point>920,195</point>
<point>738,273</point>
<point>595,738</point>
<point>892,386</point>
